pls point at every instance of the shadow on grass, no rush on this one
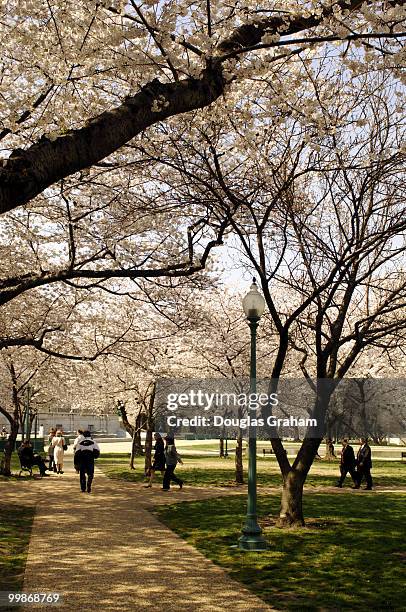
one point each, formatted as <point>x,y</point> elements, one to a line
<point>15,531</point>
<point>349,557</point>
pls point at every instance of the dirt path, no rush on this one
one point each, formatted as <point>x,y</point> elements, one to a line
<point>106,551</point>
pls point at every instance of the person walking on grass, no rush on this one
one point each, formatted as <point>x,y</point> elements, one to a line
<point>347,464</point>
<point>59,445</point>
<point>87,450</point>
<point>159,459</point>
<point>171,459</point>
<point>364,464</point>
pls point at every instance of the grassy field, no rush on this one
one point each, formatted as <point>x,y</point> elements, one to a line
<point>15,531</point>
<point>213,471</point>
<point>349,557</point>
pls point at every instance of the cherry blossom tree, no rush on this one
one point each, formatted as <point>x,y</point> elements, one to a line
<point>80,80</point>
<point>319,215</point>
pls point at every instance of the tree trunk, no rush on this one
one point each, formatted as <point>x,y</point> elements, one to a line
<point>136,446</point>
<point>138,425</point>
<point>294,477</point>
<point>330,454</point>
<point>291,512</point>
<point>133,451</point>
<point>148,450</point>
<point>221,447</point>
<point>150,426</point>
<point>127,425</point>
<point>239,468</point>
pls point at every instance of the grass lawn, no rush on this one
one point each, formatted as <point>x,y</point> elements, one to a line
<point>15,531</point>
<point>214,471</point>
<point>349,557</point>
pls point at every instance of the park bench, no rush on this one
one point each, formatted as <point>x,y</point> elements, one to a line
<point>270,451</point>
<point>403,455</point>
<point>25,467</point>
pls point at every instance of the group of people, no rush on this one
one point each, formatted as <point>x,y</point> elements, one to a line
<point>166,458</point>
<point>85,449</point>
<point>56,450</point>
<point>359,467</point>
<point>56,447</point>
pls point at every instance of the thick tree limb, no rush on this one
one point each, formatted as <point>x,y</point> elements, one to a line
<point>29,172</point>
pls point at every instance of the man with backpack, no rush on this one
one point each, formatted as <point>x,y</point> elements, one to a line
<point>87,450</point>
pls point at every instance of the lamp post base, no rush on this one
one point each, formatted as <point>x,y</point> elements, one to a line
<point>252,542</point>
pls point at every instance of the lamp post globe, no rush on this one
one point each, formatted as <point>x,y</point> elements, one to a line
<point>251,539</point>
<point>253,303</point>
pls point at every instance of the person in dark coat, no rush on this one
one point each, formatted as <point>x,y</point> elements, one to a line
<point>347,464</point>
<point>364,464</point>
<point>159,458</point>
<point>87,450</point>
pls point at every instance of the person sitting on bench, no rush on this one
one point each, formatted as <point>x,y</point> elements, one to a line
<point>28,458</point>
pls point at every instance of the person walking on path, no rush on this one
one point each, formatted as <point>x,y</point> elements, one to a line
<point>347,464</point>
<point>159,458</point>
<point>171,459</point>
<point>59,445</point>
<point>364,464</point>
<point>51,462</point>
<point>87,450</point>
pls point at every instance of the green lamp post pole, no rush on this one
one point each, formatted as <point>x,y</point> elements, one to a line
<point>251,538</point>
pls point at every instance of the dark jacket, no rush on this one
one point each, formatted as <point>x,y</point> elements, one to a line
<point>26,454</point>
<point>87,450</point>
<point>348,457</point>
<point>159,454</point>
<point>364,457</point>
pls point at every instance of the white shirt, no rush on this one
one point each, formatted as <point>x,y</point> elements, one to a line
<point>77,440</point>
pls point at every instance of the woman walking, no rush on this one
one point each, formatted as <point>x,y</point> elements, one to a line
<point>58,442</point>
<point>159,459</point>
<point>51,462</point>
<point>172,459</point>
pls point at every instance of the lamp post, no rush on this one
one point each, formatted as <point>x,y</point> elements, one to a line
<point>251,538</point>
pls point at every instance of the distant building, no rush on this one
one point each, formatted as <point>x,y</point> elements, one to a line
<point>70,421</point>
